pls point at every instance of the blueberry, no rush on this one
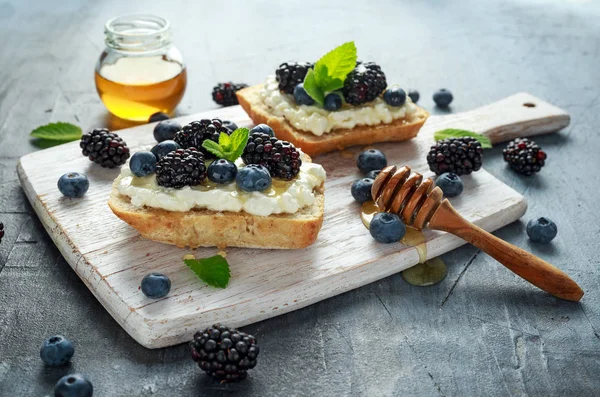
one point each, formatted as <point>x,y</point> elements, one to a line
<point>387,228</point>
<point>253,178</point>
<point>230,125</point>
<point>265,129</point>
<point>370,160</point>
<point>142,163</point>
<point>74,385</point>
<point>450,183</point>
<point>166,129</point>
<point>394,96</point>
<point>164,148</point>
<point>414,95</point>
<point>541,230</point>
<point>373,174</point>
<point>156,285</point>
<point>158,116</point>
<point>73,184</point>
<point>333,101</point>
<point>442,98</point>
<point>361,190</point>
<point>56,350</point>
<point>301,96</point>
<point>222,171</point>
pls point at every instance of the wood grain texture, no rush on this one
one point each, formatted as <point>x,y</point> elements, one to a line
<point>112,258</point>
<point>481,331</point>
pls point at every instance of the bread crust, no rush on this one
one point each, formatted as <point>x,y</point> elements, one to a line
<point>205,228</point>
<point>398,130</point>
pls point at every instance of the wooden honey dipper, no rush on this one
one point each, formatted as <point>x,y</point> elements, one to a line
<point>420,203</point>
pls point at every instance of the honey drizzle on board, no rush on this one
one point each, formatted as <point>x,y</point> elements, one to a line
<point>426,272</point>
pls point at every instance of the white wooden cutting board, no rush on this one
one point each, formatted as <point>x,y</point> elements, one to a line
<point>111,258</point>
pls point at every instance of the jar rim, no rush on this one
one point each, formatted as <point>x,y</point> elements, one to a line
<point>129,19</point>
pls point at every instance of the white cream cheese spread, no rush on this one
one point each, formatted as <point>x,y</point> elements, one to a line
<point>319,121</point>
<point>282,197</point>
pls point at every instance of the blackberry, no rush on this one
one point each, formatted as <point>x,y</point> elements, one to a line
<point>458,155</point>
<point>196,132</point>
<point>281,158</point>
<point>104,147</point>
<point>224,93</point>
<point>1,231</point>
<point>290,74</point>
<point>225,354</point>
<point>183,167</point>
<point>524,156</point>
<point>365,83</point>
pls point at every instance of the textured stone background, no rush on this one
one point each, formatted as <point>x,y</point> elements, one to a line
<point>483,331</point>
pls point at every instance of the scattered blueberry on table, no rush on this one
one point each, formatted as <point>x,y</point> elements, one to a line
<point>74,385</point>
<point>361,190</point>
<point>372,174</point>
<point>387,228</point>
<point>73,184</point>
<point>450,183</point>
<point>158,116</point>
<point>56,350</point>
<point>541,230</point>
<point>370,160</point>
<point>443,98</point>
<point>156,285</point>
<point>414,95</point>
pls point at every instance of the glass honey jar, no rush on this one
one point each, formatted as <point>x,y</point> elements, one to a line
<point>140,72</point>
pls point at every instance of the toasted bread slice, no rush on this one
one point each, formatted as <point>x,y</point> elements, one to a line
<point>398,130</point>
<point>206,228</point>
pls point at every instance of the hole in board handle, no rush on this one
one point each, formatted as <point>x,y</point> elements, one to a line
<point>529,105</point>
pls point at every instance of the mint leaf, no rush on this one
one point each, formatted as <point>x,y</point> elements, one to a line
<point>332,85</point>
<point>214,271</point>
<point>338,62</point>
<point>225,141</point>
<point>214,148</point>
<point>313,89</point>
<point>239,139</point>
<point>456,133</point>
<point>64,132</point>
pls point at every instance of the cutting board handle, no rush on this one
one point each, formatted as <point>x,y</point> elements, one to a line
<point>519,115</point>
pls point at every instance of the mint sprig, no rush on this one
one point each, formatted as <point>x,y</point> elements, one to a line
<point>63,132</point>
<point>230,147</point>
<point>330,71</point>
<point>456,133</point>
<point>214,271</point>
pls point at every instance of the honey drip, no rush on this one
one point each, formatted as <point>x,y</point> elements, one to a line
<point>426,272</point>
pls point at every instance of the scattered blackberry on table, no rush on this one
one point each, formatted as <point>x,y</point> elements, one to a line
<point>458,155</point>
<point>74,385</point>
<point>265,129</point>
<point>224,353</point>
<point>450,183</point>
<point>365,83</point>
<point>394,96</point>
<point>361,190</point>
<point>290,74</point>
<point>156,285</point>
<point>1,231</point>
<point>281,158</point>
<point>166,130</point>
<point>387,228</point>
<point>253,178</point>
<point>73,184</point>
<point>183,167</point>
<point>142,163</point>
<point>371,159</point>
<point>222,171</point>
<point>56,350</point>
<point>301,96</point>
<point>104,147</point>
<point>163,148</point>
<point>196,132</point>
<point>224,93</point>
<point>541,230</point>
<point>333,102</point>
<point>414,95</point>
<point>443,98</point>
<point>524,156</point>
<point>158,116</point>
